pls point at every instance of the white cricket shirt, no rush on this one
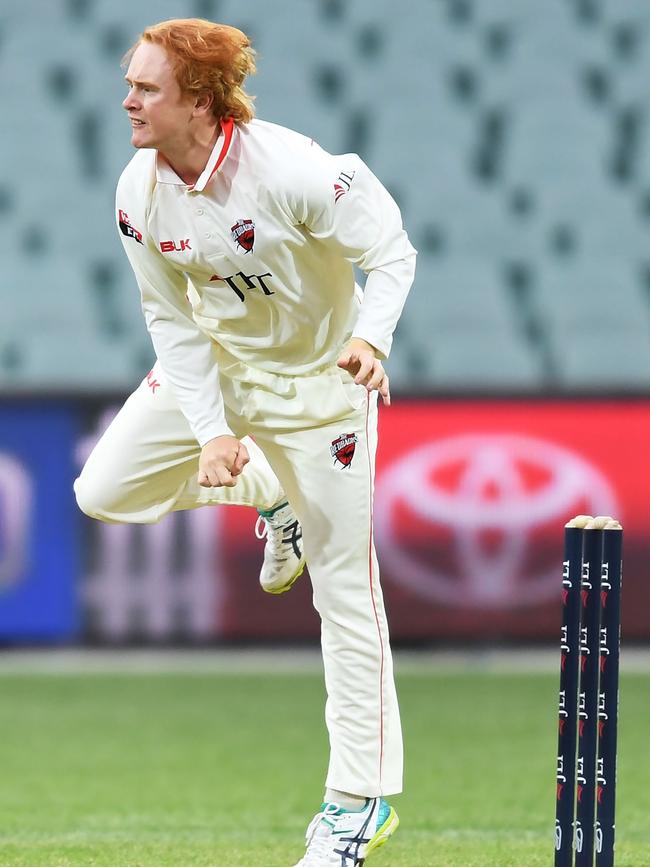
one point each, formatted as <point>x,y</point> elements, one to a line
<point>258,257</point>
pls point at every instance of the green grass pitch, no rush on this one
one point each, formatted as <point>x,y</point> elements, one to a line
<point>214,770</point>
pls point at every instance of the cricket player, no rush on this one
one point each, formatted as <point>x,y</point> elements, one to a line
<point>243,236</point>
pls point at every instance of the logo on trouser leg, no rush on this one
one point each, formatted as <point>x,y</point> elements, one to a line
<point>342,449</point>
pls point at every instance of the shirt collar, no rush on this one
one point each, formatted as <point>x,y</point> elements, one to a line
<point>165,174</point>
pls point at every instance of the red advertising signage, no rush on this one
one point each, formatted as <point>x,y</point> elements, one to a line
<point>471,499</point>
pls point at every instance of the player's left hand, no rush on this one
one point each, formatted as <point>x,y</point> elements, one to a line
<point>360,359</point>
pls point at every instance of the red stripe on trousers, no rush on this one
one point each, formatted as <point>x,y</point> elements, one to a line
<point>374,606</point>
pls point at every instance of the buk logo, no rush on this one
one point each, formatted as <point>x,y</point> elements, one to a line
<point>152,382</point>
<point>16,498</point>
<point>175,246</point>
<point>489,506</point>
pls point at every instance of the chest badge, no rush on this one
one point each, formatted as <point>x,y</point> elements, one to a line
<point>243,234</point>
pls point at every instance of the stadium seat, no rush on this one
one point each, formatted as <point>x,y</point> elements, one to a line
<point>597,361</point>
<point>484,361</point>
<point>512,135</point>
<point>85,362</point>
<point>599,298</point>
<point>465,297</point>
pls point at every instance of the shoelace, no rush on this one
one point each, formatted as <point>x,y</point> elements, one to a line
<point>273,535</point>
<point>261,533</point>
<point>285,534</point>
<point>318,837</point>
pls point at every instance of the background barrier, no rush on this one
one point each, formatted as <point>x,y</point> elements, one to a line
<point>470,500</point>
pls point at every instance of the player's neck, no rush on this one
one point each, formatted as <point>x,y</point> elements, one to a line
<point>188,156</point>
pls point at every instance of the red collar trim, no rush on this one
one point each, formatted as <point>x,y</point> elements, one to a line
<point>227,128</point>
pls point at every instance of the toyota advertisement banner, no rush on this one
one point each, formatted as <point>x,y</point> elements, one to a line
<point>471,498</point>
<point>470,501</point>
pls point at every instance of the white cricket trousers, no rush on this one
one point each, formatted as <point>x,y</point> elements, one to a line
<point>319,435</point>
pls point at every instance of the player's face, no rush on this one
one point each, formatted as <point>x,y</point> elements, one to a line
<point>158,110</point>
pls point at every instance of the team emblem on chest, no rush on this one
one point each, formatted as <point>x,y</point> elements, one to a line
<point>243,234</point>
<point>342,449</point>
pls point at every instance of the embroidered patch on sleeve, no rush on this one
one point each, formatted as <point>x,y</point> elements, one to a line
<point>126,228</point>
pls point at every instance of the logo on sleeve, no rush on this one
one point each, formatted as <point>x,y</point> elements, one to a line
<point>126,228</point>
<point>152,382</point>
<point>243,234</point>
<point>342,185</point>
<point>342,449</point>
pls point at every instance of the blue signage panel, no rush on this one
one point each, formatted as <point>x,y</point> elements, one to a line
<point>38,522</point>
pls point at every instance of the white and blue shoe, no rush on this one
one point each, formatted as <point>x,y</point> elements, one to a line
<point>284,558</point>
<point>342,838</point>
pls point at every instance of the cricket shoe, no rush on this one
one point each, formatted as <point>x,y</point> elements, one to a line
<point>284,558</point>
<point>341,838</point>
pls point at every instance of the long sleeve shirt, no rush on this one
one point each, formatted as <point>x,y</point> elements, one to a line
<point>257,256</point>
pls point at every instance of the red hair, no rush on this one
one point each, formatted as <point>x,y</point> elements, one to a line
<point>207,57</point>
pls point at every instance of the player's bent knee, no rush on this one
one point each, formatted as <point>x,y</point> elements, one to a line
<point>91,501</point>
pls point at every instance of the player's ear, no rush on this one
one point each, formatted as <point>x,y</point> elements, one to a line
<point>203,102</point>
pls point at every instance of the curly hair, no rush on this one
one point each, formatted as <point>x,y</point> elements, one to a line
<point>207,57</point>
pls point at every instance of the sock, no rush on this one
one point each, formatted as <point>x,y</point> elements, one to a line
<point>353,803</point>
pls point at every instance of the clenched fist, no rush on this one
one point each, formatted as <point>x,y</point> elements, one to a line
<point>222,460</point>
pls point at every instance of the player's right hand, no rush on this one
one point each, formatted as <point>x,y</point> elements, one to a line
<point>222,460</point>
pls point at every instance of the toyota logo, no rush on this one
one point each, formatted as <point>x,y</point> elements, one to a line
<point>457,519</point>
